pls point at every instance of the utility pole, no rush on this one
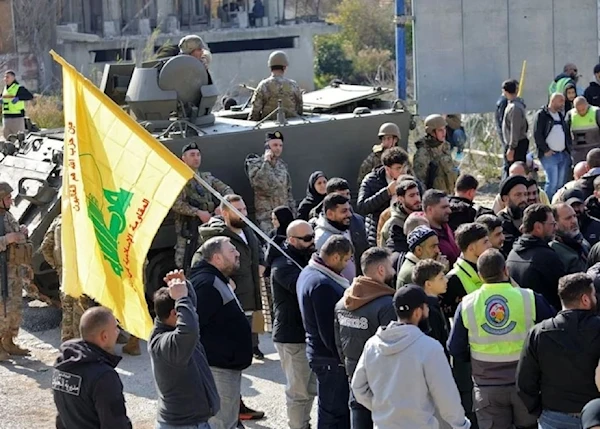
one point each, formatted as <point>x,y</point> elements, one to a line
<point>400,50</point>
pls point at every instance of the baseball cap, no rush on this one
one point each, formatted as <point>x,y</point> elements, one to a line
<point>573,196</point>
<point>409,297</point>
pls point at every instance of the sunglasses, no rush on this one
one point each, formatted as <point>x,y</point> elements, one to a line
<point>307,238</point>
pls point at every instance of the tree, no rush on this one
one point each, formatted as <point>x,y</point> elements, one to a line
<point>331,61</point>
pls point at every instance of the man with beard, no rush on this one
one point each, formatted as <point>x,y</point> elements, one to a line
<point>335,219</point>
<point>423,243</point>
<point>568,243</point>
<point>289,336</point>
<point>319,287</point>
<point>224,329</point>
<point>495,231</point>
<point>365,306</point>
<point>589,226</point>
<point>437,211</point>
<point>531,262</point>
<point>462,205</point>
<point>490,327</point>
<point>403,375</point>
<point>408,200</point>
<point>513,191</point>
<point>533,193</point>
<point>569,340</point>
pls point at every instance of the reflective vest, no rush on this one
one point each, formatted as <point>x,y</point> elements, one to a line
<point>560,85</point>
<point>7,95</point>
<point>580,125</point>
<point>498,317</point>
<point>467,275</point>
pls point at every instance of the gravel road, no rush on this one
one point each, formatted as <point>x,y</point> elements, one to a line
<point>27,398</point>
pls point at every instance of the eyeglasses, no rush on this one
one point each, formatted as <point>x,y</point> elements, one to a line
<point>307,238</point>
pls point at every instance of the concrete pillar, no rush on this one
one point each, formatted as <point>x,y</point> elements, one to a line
<point>274,10</point>
<point>111,11</point>
<point>164,9</point>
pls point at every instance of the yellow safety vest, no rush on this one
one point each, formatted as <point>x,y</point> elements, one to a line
<point>467,275</point>
<point>7,95</point>
<point>582,124</point>
<point>498,317</point>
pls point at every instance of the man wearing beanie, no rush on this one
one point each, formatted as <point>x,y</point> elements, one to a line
<point>423,243</point>
<point>403,375</point>
<point>513,192</point>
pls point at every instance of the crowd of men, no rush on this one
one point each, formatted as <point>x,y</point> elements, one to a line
<point>416,307</point>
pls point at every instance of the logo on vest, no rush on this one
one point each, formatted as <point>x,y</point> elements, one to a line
<point>497,315</point>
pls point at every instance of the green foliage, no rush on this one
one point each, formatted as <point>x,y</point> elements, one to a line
<point>331,61</point>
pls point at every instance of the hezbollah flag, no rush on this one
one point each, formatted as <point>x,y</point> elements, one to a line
<point>118,185</point>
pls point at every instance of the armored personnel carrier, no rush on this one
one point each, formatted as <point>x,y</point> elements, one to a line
<point>173,99</point>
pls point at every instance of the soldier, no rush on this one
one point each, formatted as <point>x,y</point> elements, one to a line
<point>18,250</point>
<point>274,88</point>
<point>271,181</point>
<point>194,206</point>
<point>194,45</point>
<point>389,136</point>
<point>433,164</point>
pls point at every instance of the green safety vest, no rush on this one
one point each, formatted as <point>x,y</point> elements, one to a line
<point>498,317</point>
<point>467,275</point>
<point>559,86</point>
<point>582,124</point>
<point>7,95</point>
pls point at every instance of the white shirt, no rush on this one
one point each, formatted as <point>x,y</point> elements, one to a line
<point>556,138</point>
<point>243,237</point>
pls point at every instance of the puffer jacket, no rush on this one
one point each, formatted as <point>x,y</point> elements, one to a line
<point>373,199</point>
<point>365,306</point>
<point>464,211</point>
<point>395,223</point>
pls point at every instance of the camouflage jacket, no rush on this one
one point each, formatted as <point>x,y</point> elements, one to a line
<point>51,245</point>
<point>19,253</point>
<point>10,225</point>
<point>370,163</point>
<point>433,164</point>
<point>272,184</point>
<point>272,89</point>
<point>194,197</point>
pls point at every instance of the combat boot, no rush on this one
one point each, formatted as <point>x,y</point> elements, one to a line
<point>12,348</point>
<point>132,347</point>
<point>3,355</point>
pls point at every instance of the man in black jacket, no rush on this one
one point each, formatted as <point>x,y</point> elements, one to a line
<point>589,226</point>
<point>553,141</point>
<point>586,183</point>
<point>87,390</point>
<point>513,191</point>
<point>555,375</point>
<point>288,332</point>
<point>178,359</point>
<point>365,306</point>
<point>224,329</point>
<point>378,187</point>
<point>462,203</point>
<point>531,262</point>
<point>592,92</point>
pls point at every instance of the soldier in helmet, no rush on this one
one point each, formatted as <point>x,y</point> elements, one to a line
<point>271,181</point>
<point>18,250</point>
<point>274,88</point>
<point>432,163</point>
<point>194,45</point>
<point>194,206</point>
<point>389,136</point>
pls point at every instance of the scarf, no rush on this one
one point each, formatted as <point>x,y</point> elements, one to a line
<point>317,263</point>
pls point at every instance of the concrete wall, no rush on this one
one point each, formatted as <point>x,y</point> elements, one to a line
<point>464,49</point>
<point>228,69</point>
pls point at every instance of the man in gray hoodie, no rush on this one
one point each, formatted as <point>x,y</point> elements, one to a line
<point>403,375</point>
<point>514,126</point>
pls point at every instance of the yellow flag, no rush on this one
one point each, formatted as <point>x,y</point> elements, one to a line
<point>118,185</point>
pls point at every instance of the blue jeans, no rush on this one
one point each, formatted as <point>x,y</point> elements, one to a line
<point>555,420</point>
<point>332,390</point>
<point>360,417</point>
<point>168,426</point>
<point>557,169</point>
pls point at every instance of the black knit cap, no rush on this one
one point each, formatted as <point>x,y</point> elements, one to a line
<point>510,182</point>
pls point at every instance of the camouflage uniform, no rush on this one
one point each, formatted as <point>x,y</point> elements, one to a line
<point>370,163</point>
<point>431,151</point>
<point>192,198</point>
<point>272,186</point>
<point>272,89</point>
<point>19,256</point>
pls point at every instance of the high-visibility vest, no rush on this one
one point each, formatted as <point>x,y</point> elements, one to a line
<point>580,125</point>
<point>467,275</point>
<point>560,85</point>
<point>7,96</point>
<point>498,317</point>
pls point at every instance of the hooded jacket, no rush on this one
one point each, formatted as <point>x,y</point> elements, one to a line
<point>592,94</point>
<point>572,252</point>
<point>365,306</point>
<point>312,199</point>
<point>323,230</point>
<point>534,265</point>
<point>464,211</point>
<point>403,363</point>
<point>373,199</point>
<point>87,390</point>
<point>514,124</point>
<point>224,329</point>
<point>570,340</point>
<point>246,278</point>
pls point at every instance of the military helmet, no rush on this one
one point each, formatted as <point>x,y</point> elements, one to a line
<point>5,189</point>
<point>433,122</point>
<point>389,129</point>
<point>278,58</point>
<point>190,43</point>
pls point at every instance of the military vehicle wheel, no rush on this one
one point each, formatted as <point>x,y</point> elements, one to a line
<point>159,264</point>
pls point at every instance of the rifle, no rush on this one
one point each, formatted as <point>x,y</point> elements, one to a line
<point>432,170</point>
<point>190,232</point>
<point>3,267</point>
